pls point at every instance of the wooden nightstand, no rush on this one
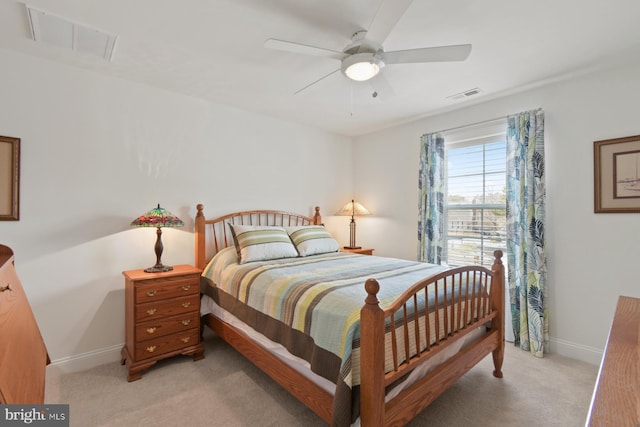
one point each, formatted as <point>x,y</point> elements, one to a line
<point>362,251</point>
<point>162,317</point>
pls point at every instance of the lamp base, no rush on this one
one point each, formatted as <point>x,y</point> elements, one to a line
<point>158,268</point>
<point>353,247</point>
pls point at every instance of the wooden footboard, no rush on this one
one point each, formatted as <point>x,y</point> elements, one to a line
<point>464,308</point>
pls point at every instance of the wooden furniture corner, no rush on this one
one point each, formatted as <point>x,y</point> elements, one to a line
<point>362,251</point>
<point>616,398</point>
<point>23,355</point>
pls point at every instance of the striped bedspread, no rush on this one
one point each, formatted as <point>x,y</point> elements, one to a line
<point>312,306</point>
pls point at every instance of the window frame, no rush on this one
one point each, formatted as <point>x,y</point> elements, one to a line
<point>487,133</point>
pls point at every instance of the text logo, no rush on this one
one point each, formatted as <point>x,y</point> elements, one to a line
<point>34,415</point>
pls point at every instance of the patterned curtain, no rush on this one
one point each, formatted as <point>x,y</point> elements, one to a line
<point>431,187</point>
<point>525,230</point>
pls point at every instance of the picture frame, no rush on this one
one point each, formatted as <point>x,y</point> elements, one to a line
<point>617,175</point>
<point>9,178</point>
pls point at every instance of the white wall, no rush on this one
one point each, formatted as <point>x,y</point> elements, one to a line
<point>97,152</point>
<point>592,258</point>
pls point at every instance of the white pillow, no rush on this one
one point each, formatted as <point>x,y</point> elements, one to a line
<point>312,240</point>
<point>261,243</point>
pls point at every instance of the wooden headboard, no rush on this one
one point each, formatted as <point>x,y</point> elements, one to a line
<point>213,235</point>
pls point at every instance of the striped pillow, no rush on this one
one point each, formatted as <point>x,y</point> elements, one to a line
<point>261,243</point>
<point>312,240</point>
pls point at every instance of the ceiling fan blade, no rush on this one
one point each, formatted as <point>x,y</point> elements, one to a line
<point>303,49</point>
<point>388,15</point>
<point>316,81</point>
<point>429,54</point>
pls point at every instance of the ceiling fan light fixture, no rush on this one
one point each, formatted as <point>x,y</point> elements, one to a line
<point>362,66</point>
<point>362,71</point>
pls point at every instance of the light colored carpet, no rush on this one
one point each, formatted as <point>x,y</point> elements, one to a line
<point>224,389</point>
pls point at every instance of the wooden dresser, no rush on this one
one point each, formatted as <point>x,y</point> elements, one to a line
<point>162,317</point>
<point>616,399</point>
<point>23,355</point>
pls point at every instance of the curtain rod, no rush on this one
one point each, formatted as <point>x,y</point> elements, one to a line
<point>485,121</point>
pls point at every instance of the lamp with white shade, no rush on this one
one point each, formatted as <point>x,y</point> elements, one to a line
<point>353,209</point>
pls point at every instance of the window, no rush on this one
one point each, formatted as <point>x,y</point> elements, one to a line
<point>475,206</point>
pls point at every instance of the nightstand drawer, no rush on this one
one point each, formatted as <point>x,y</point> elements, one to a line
<point>161,327</point>
<point>166,344</point>
<point>170,287</point>
<point>156,310</point>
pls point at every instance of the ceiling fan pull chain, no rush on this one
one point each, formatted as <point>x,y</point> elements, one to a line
<point>351,99</point>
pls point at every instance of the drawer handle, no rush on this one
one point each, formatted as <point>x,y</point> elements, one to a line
<point>186,287</point>
<point>152,311</point>
<point>151,293</point>
<point>186,304</point>
<point>185,339</point>
<point>6,288</point>
<point>151,330</point>
<point>151,348</point>
<point>186,322</point>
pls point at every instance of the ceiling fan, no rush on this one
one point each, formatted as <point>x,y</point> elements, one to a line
<point>364,57</point>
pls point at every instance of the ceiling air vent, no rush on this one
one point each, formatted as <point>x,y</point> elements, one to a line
<point>465,94</point>
<point>48,28</point>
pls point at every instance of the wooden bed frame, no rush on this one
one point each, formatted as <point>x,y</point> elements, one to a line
<point>213,235</point>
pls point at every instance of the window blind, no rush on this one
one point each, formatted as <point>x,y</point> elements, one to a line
<point>476,196</point>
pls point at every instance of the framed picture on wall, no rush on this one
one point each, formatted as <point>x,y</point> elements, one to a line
<point>9,178</point>
<point>617,175</point>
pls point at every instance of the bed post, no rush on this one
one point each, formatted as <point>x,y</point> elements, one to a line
<point>200,238</point>
<point>497,302</point>
<point>372,358</point>
<point>317,219</point>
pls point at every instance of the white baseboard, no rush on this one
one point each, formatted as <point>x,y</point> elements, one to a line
<point>84,361</point>
<point>576,351</point>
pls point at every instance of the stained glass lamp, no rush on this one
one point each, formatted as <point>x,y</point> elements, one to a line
<point>158,217</point>
<point>352,209</point>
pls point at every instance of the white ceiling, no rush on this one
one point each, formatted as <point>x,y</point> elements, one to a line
<point>213,49</point>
